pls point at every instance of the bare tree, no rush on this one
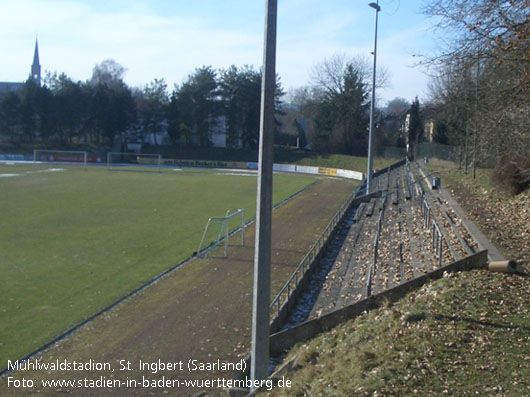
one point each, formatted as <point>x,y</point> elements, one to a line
<point>107,72</point>
<point>329,74</point>
<point>397,107</point>
<point>483,76</point>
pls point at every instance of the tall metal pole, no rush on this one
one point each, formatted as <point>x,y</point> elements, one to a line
<point>259,366</point>
<point>372,105</point>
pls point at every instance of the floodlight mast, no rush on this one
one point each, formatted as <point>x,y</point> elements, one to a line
<point>259,365</point>
<point>377,8</point>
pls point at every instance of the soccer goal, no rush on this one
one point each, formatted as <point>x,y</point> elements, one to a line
<point>218,230</point>
<point>60,156</point>
<point>118,160</point>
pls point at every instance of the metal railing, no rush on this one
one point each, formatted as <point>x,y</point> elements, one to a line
<point>437,236</point>
<point>437,240</point>
<point>426,212</point>
<point>292,283</point>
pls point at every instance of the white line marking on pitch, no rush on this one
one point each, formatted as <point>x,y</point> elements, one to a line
<point>52,170</point>
<point>234,174</point>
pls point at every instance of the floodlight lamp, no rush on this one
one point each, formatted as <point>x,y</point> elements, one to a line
<point>375,6</point>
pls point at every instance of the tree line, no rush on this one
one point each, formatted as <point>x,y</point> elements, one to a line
<point>335,109</point>
<point>96,111</point>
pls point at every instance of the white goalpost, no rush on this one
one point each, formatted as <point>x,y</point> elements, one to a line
<point>60,156</point>
<point>218,230</point>
<point>120,159</point>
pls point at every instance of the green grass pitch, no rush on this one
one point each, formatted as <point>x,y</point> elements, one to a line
<point>72,241</point>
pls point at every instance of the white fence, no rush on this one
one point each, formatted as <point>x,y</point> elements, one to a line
<point>306,169</point>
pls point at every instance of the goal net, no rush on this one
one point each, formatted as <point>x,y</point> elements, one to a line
<point>60,156</point>
<point>118,160</point>
<point>218,230</point>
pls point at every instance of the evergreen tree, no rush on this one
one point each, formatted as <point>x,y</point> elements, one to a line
<point>240,90</point>
<point>197,104</point>
<point>10,120</point>
<point>151,106</point>
<point>342,119</point>
<point>416,128</point>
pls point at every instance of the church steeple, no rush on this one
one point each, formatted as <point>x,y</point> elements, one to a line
<point>35,68</point>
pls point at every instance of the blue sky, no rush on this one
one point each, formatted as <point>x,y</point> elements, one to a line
<point>170,38</point>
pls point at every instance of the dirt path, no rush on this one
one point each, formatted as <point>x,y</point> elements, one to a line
<point>201,311</point>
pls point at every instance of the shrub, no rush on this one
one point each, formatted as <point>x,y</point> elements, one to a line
<point>512,174</point>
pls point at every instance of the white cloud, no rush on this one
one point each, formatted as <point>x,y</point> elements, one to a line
<point>73,38</point>
<point>75,35</point>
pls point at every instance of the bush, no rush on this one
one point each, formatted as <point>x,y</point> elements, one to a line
<point>512,174</point>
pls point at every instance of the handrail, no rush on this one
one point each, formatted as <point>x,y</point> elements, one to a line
<point>436,233</point>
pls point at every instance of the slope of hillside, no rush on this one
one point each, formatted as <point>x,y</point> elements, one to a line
<point>466,333</point>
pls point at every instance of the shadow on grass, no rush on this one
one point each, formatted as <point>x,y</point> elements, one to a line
<point>442,317</point>
<point>415,317</point>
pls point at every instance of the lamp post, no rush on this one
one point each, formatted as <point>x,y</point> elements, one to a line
<point>377,8</point>
<point>259,366</point>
